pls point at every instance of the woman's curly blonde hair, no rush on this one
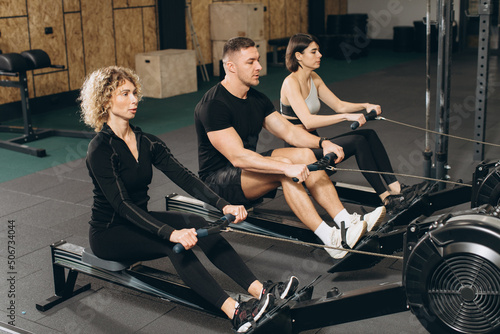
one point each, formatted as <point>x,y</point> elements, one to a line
<point>97,90</point>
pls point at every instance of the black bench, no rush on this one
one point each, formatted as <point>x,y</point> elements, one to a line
<point>276,43</point>
<point>16,65</point>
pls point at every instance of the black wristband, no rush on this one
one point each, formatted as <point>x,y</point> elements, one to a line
<point>321,140</point>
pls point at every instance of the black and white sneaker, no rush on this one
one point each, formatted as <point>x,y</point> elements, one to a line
<point>396,203</point>
<point>415,190</point>
<point>248,313</point>
<point>399,202</point>
<point>281,290</point>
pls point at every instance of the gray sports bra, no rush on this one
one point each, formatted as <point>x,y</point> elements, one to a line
<point>312,102</point>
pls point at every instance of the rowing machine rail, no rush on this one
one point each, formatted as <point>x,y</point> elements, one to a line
<point>295,314</point>
<point>66,256</point>
<point>388,239</point>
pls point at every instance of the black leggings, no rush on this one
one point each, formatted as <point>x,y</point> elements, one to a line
<point>370,155</point>
<point>130,243</point>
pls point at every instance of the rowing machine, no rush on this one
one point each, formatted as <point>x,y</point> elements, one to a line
<point>450,281</point>
<point>137,276</point>
<point>388,239</point>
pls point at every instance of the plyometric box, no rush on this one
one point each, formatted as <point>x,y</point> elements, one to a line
<point>167,73</point>
<point>218,46</point>
<point>236,19</point>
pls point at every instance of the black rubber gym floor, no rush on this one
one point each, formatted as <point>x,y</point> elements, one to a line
<point>51,201</point>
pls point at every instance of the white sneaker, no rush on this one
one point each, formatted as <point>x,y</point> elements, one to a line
<point>355,231</point>
<point>374,218</point>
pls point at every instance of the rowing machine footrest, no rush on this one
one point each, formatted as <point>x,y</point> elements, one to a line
<point>89,258</point>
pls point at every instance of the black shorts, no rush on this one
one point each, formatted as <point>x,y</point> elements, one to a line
<point>226,182</point>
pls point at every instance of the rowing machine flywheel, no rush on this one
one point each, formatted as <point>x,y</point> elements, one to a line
<point>486,184</point>
<point>452,275</point>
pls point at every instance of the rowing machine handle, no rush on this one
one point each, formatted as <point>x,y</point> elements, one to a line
<point>369,117</point>
<point>327,160</point>
<point>203,232</point>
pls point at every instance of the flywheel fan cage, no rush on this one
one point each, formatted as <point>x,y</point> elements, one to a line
<point>489,189</point>
<point>464,293</point>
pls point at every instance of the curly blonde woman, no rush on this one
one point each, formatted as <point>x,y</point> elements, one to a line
<point>120,160</point>
<point>97,91</point>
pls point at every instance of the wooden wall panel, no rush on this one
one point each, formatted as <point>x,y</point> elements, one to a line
<point>128,36</point>
<point>71,6</point>
<point>87,34</point>
<point>50,83</point>
<point>282,18</point>
<point>133,3</point>
<point>14,38</point>
<point>74,42</point>
<point>332,7</point>
<point>9,94</point>
<point>304,9</point>
<point>267,19</point>
<point>9,8</point>
<point>107,32</point>
<point>201,20</point>
<point>150,29</point>
<point>343,6</point>
<point>277,12</point>
<point>293,18</point>
<point>98,38</point>
<point>44,14</point>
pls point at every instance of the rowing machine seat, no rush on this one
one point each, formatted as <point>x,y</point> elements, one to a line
<point>89,258</point>
<point>13,62</point>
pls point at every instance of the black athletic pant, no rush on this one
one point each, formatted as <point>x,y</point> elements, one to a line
<point>130,243</point>
<point>370,155</point>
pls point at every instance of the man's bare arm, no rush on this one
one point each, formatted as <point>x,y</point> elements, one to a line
<point>298,136</point>
<point>229,143</point>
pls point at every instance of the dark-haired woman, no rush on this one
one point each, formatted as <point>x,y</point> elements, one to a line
<point>301,93</point>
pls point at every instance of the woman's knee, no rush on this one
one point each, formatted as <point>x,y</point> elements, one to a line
<point>360,142</point>
<point>369,134</point>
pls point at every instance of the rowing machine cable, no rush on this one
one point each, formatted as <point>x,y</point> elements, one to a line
<point>435,132</point>
<point>304,243</point>
<point>333,168</point>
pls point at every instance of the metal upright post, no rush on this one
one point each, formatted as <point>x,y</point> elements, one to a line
<point>485,11</point>
<point>427,151</point>
<point>445,11</point>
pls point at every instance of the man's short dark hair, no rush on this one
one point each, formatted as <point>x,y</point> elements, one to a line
<point>236,44</point>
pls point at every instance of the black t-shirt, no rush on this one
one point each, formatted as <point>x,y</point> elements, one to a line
<point>121,183</point>
<point>218,110</point>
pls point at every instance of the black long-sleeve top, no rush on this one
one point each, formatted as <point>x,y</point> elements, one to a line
<point>121,182</point>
